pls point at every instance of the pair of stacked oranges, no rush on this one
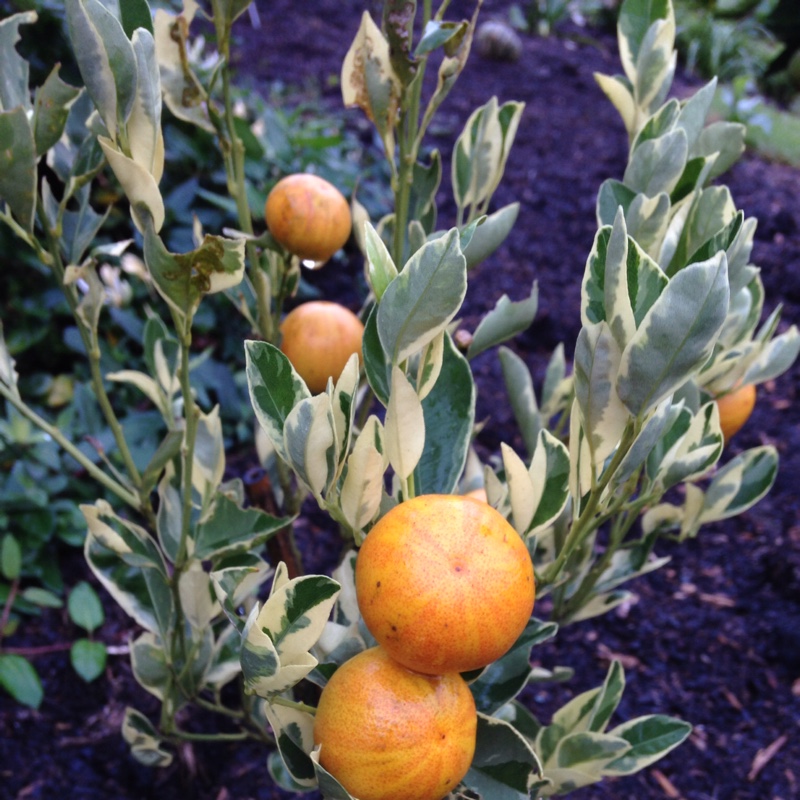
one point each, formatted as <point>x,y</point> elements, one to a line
<point>310,218</point>
<point>445,585</point>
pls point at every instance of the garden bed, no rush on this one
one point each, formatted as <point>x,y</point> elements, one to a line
<point>715,636</point>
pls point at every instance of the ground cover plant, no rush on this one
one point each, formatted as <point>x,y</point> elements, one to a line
<point>316,473</point>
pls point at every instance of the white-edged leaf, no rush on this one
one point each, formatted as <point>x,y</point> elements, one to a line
<point>144,125</point>
<point>422,300</point>
<point>505,320</point>
<point>430,365</point>
<point>676,336</point>
<point>294,736</point>
<point>404,431</point>
<point>381,270</point>
<point>651,738</point>
<point>360,497</point>
<point>309,437</point>
<point>275,389</point>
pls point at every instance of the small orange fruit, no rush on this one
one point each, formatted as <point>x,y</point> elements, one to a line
<point>444,583</point>
<point>387,733</point>
<point>735,408</point>
<point>318,338</point>
<point>308,216</point>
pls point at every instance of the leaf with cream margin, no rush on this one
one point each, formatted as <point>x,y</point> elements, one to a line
<point>369,81</point>
<point>360,497</point>
<point>404,426</point>
<point>183,279</point>
<point>144,124</point>
<point>106,60</point>
<point>309,436</point>
<point>139,185</point>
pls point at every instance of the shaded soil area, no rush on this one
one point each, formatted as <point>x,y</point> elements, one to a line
<point>715,635</point>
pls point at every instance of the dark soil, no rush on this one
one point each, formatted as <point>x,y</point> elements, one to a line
<point>715,636</point>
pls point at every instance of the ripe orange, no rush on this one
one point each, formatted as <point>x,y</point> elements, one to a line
<point>735,409</point>
<point>387,733</point>
<point>308,216</point>
<point>318,338</point>
<point>444,583</point>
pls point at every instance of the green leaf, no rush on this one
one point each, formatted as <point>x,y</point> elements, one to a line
<point>18,166</point>
<point>105,59</point>
<point>135,14</point>
<point>449,413</point>
<point>676,336</point>
<point>504,766</point>
<point>149,665</point>
<point>505,678</point>
<point>651,738</point>
<point>88,658</point>
<point>422,300</point>
<point>80,228</point>
<point>19,678</point>
<point>14,72</point>
<point>41,597</point>
<point>422,201</point>
<point>51,109</point>
<point>275,389</point>
<point>84,607</point>
<point>588,752</point>
<point>505,320</point>
<point>10,557</point>
<point>329,786</point>
<point>377,363</point>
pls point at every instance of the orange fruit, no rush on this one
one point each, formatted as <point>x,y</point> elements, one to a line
<point>387,733</point>
<point>308,216</point>
<point>318,338</point>
<point>444,583</point>
<point>735,408</point>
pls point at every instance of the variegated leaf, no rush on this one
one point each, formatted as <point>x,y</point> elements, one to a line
<point>656,165</point>
<point>209,454</point>
<point>657,361</point>
<point>361,491</point>
<point>143,739</point>
<point>774,358</point>
<point>309,437</point>
<point>422,300</point>
<point>404,426</point>
<point>381,270</point>
<point>277,638</point>
<point>521,489</point>
<point>127,561</point>
<point>294,736</point>
<point>106,61</point>
<point>740,484</point>
<point>198,602</point>
<point>369,81</point>
<point>635,20</point>
<point>505,765</point>
<point>343,404</point>
<point>275,389</point>
<point>490,233</point>
<point>144,124</point>
<point>504,321</point>
<point>597,365</point>
<point>430,365</point>
<point>521,395</point>
<point>650,738</point>
<point>619,91</point>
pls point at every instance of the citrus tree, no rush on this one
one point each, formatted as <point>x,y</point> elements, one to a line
<point>434,581</point>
